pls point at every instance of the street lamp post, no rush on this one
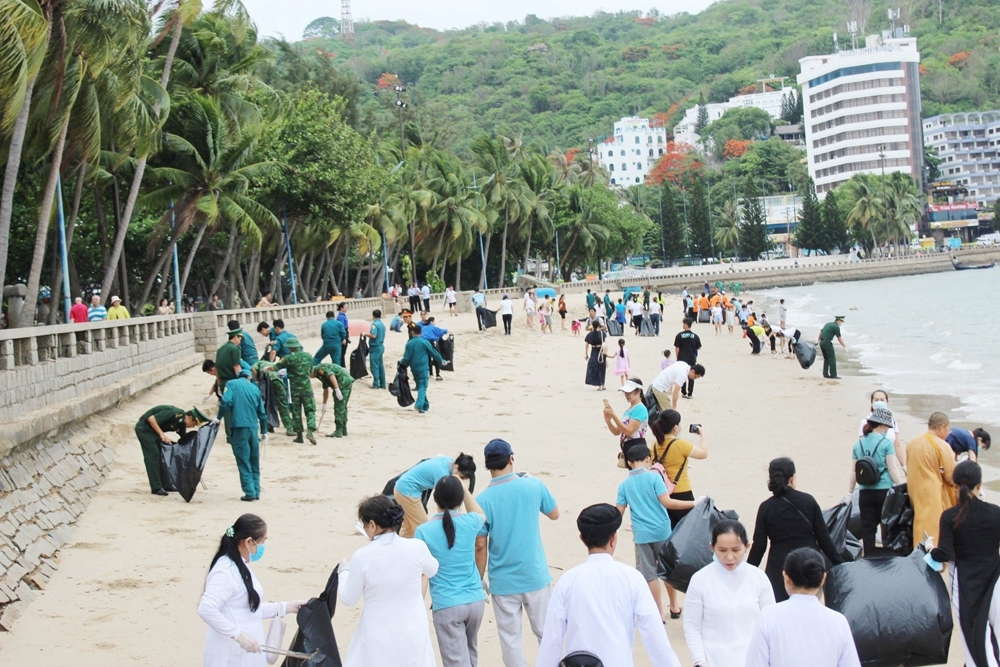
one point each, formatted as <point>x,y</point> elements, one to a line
<point>885,202</point>
<point>401,105</point>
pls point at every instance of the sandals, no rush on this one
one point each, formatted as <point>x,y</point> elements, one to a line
<point>675,614</point>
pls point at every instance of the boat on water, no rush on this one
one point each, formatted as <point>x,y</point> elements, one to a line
<point>963,267</point>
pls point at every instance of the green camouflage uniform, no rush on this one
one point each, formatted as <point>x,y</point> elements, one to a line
<point>264,368</point>
<point>300,365</point>
<point>345,381</point>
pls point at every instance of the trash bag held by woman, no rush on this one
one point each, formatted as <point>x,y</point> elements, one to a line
<point>689,547</point>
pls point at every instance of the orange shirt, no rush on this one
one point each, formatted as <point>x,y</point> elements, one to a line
<point>703,303</point>
<point>715,300</point>
<point>750,321</point>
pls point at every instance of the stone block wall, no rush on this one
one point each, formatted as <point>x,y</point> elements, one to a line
<point>46,487</point>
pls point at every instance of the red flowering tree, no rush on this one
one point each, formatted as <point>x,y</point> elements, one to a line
<point>678,165</point>
<point>387,81</point>
<point>735,148</point>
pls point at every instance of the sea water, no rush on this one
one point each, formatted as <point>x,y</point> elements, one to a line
<point>933,334</point>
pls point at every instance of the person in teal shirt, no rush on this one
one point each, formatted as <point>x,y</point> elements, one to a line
<point>333,334</point>
<point>591,299</point>
<point>512,541</point>
<point>243,409</point>
<point>417,356</point>
<point>876,444</point>
<point>279,338</point>
<point>376,350</point>
<point>411,485</point>
<point>248,350</point>
<point>457,597</point>
<point>609,305</point>
<point>644,493</point>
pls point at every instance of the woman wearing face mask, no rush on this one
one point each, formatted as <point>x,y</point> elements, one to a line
<point>232,603</point>
<point>880,399</point>
<point>724,599</point>
<point>393,629</point>
<point>970,538</point>
<point>790,519</point>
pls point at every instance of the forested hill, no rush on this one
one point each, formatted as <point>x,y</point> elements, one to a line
<point>560,81</point>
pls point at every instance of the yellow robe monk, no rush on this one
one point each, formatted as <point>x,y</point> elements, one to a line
<point>930,463</point>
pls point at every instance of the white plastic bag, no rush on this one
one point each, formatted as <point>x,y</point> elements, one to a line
<point>275,638</point>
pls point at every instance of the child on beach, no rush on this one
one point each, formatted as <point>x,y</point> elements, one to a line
<point>667,361</point>
<point>717,318</point>
<point>622,366</point>
<point>576,326</point>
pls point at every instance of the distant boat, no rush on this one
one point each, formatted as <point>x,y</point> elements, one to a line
<point>962,267</point>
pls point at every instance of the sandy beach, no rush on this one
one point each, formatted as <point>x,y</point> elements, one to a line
<point>128,586</point>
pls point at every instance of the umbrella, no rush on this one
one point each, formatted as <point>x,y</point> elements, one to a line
<point>185,462</point>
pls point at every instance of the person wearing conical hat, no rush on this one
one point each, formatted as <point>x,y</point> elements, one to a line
<point>152,429</point>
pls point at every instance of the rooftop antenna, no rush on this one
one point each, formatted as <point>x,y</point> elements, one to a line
<point>852,29</point>
<point>836,44</point>
<point>893,17</point>
<point>346,22</point>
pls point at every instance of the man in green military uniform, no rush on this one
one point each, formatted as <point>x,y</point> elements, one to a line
<point>333,334</point>
<point>228,358</point>
<point>299,365</point>
<point>830,331</point>
<point>377,349</point>
<point>242,406</point>
<point>336,377</point>
<point>266,369</point>
<point>417,355</point>
<point>151,429</point>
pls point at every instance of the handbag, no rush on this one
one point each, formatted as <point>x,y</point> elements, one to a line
<point>658,467</point>
<point>625,446</point>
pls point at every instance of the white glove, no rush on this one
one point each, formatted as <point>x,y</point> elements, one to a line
<point>263,440</point>
<point>848,499</point>
<point>283,373</point>
<point>339,394</point>
<point>293,607</point>
<point>214,422</point>
<point>208,397</point>
<point>247,643</point>
<point>699,499</point>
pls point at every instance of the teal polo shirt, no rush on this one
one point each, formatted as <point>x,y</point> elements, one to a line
<point>641,492</point>
<point>879,448</point>
<point>457,581</point>
<point>423,476</point>
<point>517,559</point>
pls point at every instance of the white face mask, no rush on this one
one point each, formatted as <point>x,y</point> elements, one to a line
<point>880,404</point>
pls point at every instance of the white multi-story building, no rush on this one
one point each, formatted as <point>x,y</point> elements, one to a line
<point>769,101</point>
<point>630,154</point>
<point>968,145</point>
<point>862,111</point>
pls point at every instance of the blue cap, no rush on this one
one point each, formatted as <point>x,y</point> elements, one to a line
<point>498,448</point>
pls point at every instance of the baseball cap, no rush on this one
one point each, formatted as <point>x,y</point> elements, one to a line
<point>498,448</point>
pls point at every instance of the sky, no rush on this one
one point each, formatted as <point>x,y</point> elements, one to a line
<point>289,17</point>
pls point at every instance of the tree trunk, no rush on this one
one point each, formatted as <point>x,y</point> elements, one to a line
<point>140,170</point>
<point>157,268</point>
<point>57,275</point>
<point>486,260</point>
<point>226,261</point>
<point>10,176</point>
<point>242,286</point>
<point>102,226</point>
<point>503,247</point>
<point>527,247</point>
<point>190,257</point>
<point>458,274</point>
<point>42,234</point>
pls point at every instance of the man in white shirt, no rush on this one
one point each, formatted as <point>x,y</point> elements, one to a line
<point>667,385</point>
<point>529,308</point>
<point>654,316</point>
<point>597,606</point>
<point>635,313</point>
<point>452,300</point>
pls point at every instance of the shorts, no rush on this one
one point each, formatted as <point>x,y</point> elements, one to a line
<point>562,314</point>
<point>646,557</point>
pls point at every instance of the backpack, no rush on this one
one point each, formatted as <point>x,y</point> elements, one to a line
<point>866,470</point>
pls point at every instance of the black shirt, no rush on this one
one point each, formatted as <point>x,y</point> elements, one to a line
<point>687,344</point>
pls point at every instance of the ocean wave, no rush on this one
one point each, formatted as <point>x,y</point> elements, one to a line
<point>958,365</point>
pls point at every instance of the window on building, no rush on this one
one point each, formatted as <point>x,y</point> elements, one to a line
<point>636,179</point>
<point>659,140</point>
<point>661,151</point>
<point>637,140</point>
<point>611,167</point>
<point>624,167</point>
<point>649,140</point>
<point>612,181</point>
<point>623,152</point>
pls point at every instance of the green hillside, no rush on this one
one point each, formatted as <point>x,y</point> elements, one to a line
<point>585,73</point>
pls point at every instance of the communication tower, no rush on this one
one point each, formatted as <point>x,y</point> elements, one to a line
<point>346,22</point>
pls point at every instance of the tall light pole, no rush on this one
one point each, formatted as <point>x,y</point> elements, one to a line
<point>885,202</point>
<point>401,105</point>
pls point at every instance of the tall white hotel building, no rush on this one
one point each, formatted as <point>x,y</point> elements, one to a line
<point>862,111</point>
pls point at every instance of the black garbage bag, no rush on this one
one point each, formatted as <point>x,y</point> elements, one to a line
<point>688,549</point>
<point>704,316</point>
<point>805,353</point>
<point>581,659</point>
<point>316,630</point>
<point>446,347</point>
<point>836,519</point>
<point>270,401</point>
<point>487,317</point>
<point>185,462</point>
<point>615,328</point>
<point>358,368</point>
<point>898,609</point>
<point>652,405</point>
<point>897,521</point>
<point>400,388</point>
<point>854,525</point>
<point>646,327</point>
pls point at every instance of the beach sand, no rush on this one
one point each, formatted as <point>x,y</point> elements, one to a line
<point>128,586</point>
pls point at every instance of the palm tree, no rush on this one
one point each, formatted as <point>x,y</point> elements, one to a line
<point>727,234</point>
<point>864,203</point>
<point>209,177</point>
<point>586,232</point>
<point>457,210</point>
<point>24,34</point>
<point>903,207</point>
<point>541,184</point>
<point>93,35</point>
<point>502,188</point>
